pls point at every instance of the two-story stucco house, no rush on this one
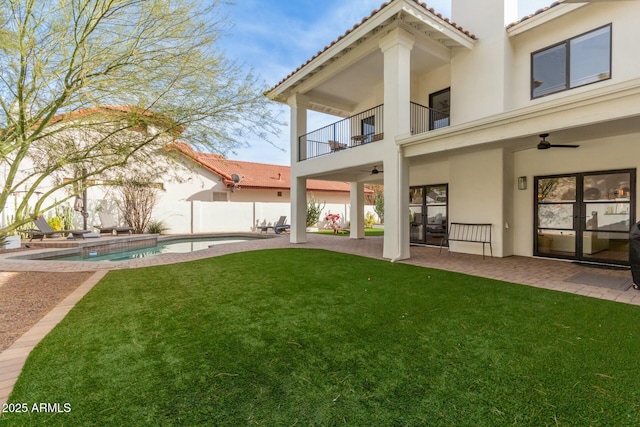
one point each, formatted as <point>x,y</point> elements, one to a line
<point>453,111</point>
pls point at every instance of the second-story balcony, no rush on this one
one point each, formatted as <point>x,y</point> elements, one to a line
<point>364,128</point>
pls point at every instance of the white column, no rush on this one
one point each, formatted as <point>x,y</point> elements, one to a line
<point>298,230</point>
<point>356,216</point>
<point>298,123</point>
<point>396,209</point>
<point>396,47</point>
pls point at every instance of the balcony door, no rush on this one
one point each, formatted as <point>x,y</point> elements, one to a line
<point>440,109</point>
<point>428,205</point>
<point>585,216</point>
<point>368,128</point>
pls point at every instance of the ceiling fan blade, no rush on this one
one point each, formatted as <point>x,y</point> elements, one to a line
<point>565,145</point>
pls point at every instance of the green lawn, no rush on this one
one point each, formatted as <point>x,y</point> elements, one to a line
<point>368,232</point>
<point>309,337</point>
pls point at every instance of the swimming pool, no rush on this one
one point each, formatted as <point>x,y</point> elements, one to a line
<point>164,247</point>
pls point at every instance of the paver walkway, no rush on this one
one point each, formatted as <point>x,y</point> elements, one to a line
<point>542,273</point>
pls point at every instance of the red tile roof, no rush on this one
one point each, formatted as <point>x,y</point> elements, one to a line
<point>365,19</point>
<point>537,12</point>
<point>253,175</point>
<point>127,111</point>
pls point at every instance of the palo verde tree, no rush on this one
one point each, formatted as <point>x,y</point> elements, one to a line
<point>92,88</point>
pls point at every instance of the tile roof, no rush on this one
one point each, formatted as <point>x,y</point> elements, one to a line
<point>253,175</point>
<point>365,19</point>
<point>537,12</point>
<point>122,110</point>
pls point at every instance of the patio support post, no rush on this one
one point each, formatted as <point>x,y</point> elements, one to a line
<point>356,215</point>
<point>299,105</point>
<point>298,210</point>
<point>396,48</point>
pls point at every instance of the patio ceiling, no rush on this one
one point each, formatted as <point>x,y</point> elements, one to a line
<point>341,93</point>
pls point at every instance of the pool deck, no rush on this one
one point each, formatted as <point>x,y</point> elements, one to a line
<point>537,272</point>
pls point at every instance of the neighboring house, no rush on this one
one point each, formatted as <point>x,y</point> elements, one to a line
<point>213,181</point>
<point>453,114</point>
<point>257,194</point>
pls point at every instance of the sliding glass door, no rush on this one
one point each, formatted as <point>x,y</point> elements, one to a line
<point>585,216</point>
<point>428,206</point>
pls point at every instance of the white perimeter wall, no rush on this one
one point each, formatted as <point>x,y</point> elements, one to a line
<point>200,217</point>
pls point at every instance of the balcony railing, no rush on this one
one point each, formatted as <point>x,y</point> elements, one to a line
<point>364,128</point>
<point>424,119</point>
<point>351,132</point>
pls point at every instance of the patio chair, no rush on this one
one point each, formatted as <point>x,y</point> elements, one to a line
<point>280,226</point>
<point>109,225</point>
<point>336,146</point>
<point>44,229</point>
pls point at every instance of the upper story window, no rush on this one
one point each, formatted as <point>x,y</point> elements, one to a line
<point>575,62</point>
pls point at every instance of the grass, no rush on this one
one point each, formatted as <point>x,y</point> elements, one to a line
<point>310,337</point>
<point>368,232</point>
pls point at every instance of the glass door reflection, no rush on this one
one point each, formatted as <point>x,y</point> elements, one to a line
<point>607,216</point>
<point>436,199</point>
<point>416,214</point>
<point>428,213</point>
<point>556,213</point>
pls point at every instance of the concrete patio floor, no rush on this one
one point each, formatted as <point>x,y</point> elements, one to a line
<point>541,273</point>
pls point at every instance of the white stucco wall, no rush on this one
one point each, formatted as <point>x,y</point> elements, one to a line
<point>425,84</point>
<point>427,173</point>
<point>478,75</point>
<point>476,195</point>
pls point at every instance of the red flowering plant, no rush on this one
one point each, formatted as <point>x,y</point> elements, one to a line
<point>333,221</point>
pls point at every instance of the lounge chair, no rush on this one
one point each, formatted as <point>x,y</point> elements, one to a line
<point>44,229</point>
<point>109,225</point>
<point>280,226</point>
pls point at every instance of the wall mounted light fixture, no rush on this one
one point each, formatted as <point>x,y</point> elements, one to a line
<point>522,183</point>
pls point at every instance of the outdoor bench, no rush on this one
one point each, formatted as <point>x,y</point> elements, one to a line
<point>470,233</point>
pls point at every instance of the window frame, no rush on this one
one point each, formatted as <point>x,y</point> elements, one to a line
<point>567,44</point>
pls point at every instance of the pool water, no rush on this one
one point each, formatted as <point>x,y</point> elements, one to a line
<point>170,247</point>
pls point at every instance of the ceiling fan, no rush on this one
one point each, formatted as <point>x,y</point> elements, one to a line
<point>544,144</point>
<point>374,171</point>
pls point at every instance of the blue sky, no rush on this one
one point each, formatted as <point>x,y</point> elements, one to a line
<point>275,37</point>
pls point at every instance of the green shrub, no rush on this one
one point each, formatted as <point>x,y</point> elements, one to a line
<point>369,220</point>
<point>378,204</point>
<point>156,227</point>
<point>65,213</point>
<point>314,210</point>
<point>56,223</point>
